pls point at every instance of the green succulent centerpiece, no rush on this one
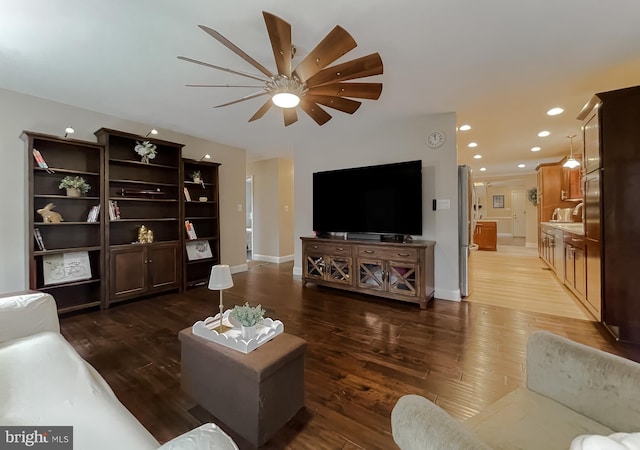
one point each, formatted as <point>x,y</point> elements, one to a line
<point>248,315</point>
<point>74,183</point>
<point>146,149</point>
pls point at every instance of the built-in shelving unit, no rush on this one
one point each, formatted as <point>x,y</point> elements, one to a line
<point>70,263</point>
<point>202,211</point>
<point>146,194</point>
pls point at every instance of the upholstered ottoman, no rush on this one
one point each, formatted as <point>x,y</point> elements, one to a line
<point>254,394</point>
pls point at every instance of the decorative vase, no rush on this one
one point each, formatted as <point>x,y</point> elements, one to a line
<point>248,333</point>
<point>145,159</point>
<point>73,192</point>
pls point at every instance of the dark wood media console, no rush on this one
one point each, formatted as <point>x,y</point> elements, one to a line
<point>400,271</point>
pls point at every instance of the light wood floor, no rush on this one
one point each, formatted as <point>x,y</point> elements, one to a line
<point>515,277</point>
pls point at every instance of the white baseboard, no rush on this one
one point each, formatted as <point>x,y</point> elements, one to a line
<point>297,271</point>
<point>272,259</point>
<point>446,294</point>
<point>239,268</point>
<point>531,245</point>
<point>505,234</point>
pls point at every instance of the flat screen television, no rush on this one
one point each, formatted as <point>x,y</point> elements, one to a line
<point>383,199</point>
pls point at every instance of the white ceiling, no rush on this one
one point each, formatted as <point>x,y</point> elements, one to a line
<point>499,64</point>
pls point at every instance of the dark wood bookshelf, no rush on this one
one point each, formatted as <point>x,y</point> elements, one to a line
<point>204,217</point>
<point>147,194</point>
<point>65,156</point>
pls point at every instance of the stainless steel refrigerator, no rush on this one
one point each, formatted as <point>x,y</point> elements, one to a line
<point>466,199</point>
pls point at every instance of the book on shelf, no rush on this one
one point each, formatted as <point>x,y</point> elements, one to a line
<point>187,195</point>
<point>114,210</point>
<point>191,232</point>
<point>198,250</point>
<point>40,161</point>
<point>66,267</point>
<point>94,213</point>
<point>38,238</point>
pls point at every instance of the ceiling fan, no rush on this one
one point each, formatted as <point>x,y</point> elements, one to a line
<point>312,83</point>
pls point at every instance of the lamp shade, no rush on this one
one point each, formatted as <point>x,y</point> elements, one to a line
<point>220,277</point>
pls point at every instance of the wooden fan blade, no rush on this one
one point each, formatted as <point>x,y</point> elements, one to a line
<point>339,103</point>
<point>235,49</point>
<point>247,97</point>
<point>370,91</point>
<point>290,116</point>
<point>224,85</point>
<point>335,44</point>
<point>248,75</point>
<point>280,36</point>
<point>314,111</point>
<point>358,68</point>
<point>261,112</point>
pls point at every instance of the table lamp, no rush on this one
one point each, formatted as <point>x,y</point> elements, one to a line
<point>219,280</point>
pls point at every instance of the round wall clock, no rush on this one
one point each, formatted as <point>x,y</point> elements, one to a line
<point>435,139</point>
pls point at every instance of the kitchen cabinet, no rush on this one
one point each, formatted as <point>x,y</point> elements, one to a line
<point>611,138</point>
<point>571,184</point>
<point>547,247</point>
<point>397,271</point>
<point>486,235</point>
<point>575,265</point>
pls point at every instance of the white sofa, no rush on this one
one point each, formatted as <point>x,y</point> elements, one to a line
<point>575,396</point>
<point>44,382</point>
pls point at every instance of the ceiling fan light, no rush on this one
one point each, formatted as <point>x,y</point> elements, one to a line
<point>285,100</point>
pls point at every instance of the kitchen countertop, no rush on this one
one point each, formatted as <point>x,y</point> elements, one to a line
<point>572,227</point>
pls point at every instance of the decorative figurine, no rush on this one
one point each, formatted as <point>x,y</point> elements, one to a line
<point>49,216</point>
<point>145,236</point>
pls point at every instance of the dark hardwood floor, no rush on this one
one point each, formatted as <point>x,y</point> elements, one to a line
<point>363,354</point>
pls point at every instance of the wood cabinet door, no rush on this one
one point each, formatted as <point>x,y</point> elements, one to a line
<point>569,266</point>
<point>128,272</point>
<point>314,266</point>
<point>371,274</point>
<point>580,274</point>
<point>339,269</point>
<point>162,265</point>
<point>403,278</point>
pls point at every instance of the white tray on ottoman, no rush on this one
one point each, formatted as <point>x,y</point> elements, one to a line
<point>265,331</point>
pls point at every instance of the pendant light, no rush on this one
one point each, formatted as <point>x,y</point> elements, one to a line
<point>571,163</point>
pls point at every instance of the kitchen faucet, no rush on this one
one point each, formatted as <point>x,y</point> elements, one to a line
<point>579,209</point>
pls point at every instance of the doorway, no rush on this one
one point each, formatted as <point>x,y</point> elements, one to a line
<point>249,219</point>
<point>519,213</point>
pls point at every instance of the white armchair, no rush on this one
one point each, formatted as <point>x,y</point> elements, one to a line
<point>572,390</point>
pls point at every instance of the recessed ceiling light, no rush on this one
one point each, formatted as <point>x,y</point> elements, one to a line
<point>544,133</point>
<point>464,127</point>
<point>477,156</point>
<point>483,169</point>
<point>535,149</point>
<point>472,144</point>
<point>521,165</point>
<point>555,111</point>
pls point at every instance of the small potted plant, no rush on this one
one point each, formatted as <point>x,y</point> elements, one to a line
<point>249,317</point>
<point>145,149</point>
<point>74,186</point>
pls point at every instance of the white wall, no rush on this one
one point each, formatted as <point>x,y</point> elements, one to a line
<point>348,146</point>
<point>22,112</point>
<point>273,209</point>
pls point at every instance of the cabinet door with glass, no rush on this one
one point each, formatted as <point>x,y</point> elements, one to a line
<point>403,278</point>
<point>339,269</point>
<point>371,274</point>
